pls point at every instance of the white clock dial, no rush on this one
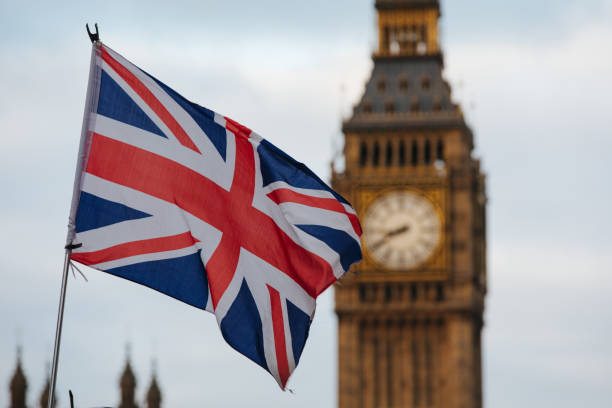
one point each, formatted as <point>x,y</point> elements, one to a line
<point>402,229</point>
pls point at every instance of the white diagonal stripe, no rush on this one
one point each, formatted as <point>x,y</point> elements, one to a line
<point>196,134</point>
<point>139,101</point>
<point>162,147</point>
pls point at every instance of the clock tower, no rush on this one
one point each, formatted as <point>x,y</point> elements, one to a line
<point>410,315</point>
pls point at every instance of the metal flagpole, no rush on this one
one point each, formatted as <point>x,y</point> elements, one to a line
<point>91,96</point>
<point>95,38</point>
<point>58,328</point>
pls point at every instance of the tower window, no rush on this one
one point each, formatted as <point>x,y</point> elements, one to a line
<point>375,154</point>
<point>388,294</point>
<point>393,41</point>
<point>404,84</point>
<point>415,153</point>
<point>427,152</point>
<point>404,39</point>
<point>414,294</point>
<point>363,296</point>
<point>412,39</point>
<point>367,107</point>
<point>439,292</point>
<point>402,153</point>
<point>386,37</point>
<point>363,154</point>
<point>389,154</point>
<point>422,45</point>
<point>382,85</point>
<point>440,150</point>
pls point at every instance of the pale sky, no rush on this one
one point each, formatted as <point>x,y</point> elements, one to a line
<point>535,81</point>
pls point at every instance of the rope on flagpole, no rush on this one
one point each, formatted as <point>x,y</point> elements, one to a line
<point>73,267</point>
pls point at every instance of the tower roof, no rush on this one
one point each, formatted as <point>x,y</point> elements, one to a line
<point>153,397</point>
<point>18,385</point>
<point>406,88</point>
<point>128,380</point>
<point>405,92</point>
<point>153,394</point>
<point>128,387</point>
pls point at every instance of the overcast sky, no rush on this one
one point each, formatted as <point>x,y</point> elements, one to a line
<point>535,81</point>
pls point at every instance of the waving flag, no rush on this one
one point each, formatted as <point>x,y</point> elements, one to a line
<point>190,203</point>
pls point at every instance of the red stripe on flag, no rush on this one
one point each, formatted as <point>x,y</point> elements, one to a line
<point>146,246</point>
<point>279,335</point>
<point>150,99</point>
<point>224,259</point>
<point>284,195</point>
<point>236,128</point>
<point>251,229</point>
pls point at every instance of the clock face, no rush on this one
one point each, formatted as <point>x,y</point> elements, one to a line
<point>401,229</point>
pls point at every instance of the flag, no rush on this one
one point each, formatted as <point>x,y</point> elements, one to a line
<point>188,202</point>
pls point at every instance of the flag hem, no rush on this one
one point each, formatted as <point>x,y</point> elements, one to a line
<point>91,102</point>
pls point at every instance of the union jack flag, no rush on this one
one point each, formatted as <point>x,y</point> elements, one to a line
<point>178,198</point>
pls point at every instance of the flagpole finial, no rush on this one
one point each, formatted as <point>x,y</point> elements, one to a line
<point>93,36</point>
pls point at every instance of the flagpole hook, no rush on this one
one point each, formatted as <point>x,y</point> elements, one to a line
<point>93,36</point>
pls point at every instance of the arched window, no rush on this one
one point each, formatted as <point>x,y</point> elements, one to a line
<point>388,294</point>
<point>439,292</point>
<point>363,154</point>
<point>415,153</point>
<point>440,150</point>
<point>389,154</point>
<point>402,153</point>
<point>375,154</point>
<point>414,293</point>
<point>427,152</point>
<point>363,296</point>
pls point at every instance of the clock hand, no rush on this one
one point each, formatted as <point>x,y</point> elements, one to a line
<point>388,235</point>
<point>398,231</point>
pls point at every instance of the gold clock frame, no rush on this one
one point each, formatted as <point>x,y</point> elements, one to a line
<point>437,266</point>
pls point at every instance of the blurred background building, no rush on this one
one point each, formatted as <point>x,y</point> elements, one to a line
<point>18,389</point>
